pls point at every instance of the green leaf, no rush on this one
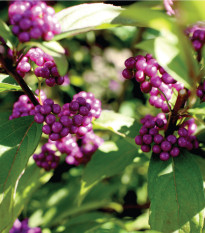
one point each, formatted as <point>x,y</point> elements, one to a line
<point>176,193</point>
<point>116,160</point>
<point>7,83</point>
<point>86,17</point>
<point>55,208</point>
<point>31,180</point>
<point>18,140</point>
<point>54,49</point>
<point>189,12</point>
<point>120,124</point>
<point>7,35</point>
<point>154,18</point>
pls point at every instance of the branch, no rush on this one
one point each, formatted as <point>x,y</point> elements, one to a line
<point>7,64</point>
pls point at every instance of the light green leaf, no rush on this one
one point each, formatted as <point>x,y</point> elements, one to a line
<point>154,18</point>
<point>120,124</point>
<point>7,83</point>
<point>7,35</point>
<point>86,17</point>
<point>19,138</point>
<point>189,12</point>
<point>176,193</point>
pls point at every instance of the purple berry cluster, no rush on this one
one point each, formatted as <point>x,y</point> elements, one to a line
<point>79,151</point>
<point>201,91</point>
<point>78,113</point>
<point>22,227</point>
<point>74,118</point>
<point>47,159</point>
<point>196,33</point>
<point>46,67</point>
<point>90,99</point>
<point>88,145</point>
<point>153,79</point>
<point>69,146</point>
<point>24,107</point>
<point>33,20</point>
<point>166,147</point>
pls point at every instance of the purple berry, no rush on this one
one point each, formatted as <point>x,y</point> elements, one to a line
<point>174,152</point>
<point>138,140</point>
<point>146,87</point>
<point>39,118</point>
<point>158,138</point>
<point>156,149</point>
<point>182,142</point>
<point>130,63</point>
<point>57,127</point>
<point>166,146</point>
<point>147,139</point>
<point>127,74</point>
<point>164,156</point>
<point>56,109</point>
<point>146,148</point>
<point>172,139</point>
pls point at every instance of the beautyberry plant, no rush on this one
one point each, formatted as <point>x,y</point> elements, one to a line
<point>116,141</point>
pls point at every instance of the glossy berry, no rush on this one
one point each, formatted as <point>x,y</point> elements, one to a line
<point>47,158</point>
<point>33,20</point>
<point>46,67</point>
<point>152,76</point>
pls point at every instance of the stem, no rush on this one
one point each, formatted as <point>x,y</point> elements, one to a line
<point>174,116</point>
<point>165,99</point>
<point>7,64</point>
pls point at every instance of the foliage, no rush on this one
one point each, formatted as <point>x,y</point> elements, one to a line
<point>115,189</point>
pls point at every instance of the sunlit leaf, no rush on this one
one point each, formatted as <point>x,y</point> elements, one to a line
<point>176,193</point>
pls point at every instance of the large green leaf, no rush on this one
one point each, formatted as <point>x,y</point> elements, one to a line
<point>54,49</point>
<point>31,180</point>
<point>7,35</point>
<point>155,18</point>
<point>116,155</point>
<point>191,11</point>
<point>176,193</point>
<point>18,140</point>
<point>108,163</point>
<point>7,83</point>
<point>86,17</point>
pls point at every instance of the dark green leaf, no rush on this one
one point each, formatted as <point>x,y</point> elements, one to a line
<point>7,83</point>
<point>54,49</point>
<point>176,193</point>
<point>85,17</point>
<point>18,140</point>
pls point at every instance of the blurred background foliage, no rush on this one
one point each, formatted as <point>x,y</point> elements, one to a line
<point>117,204</point>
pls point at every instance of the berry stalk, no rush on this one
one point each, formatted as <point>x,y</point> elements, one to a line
<point>180,102</point>
<point>7,64</point>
